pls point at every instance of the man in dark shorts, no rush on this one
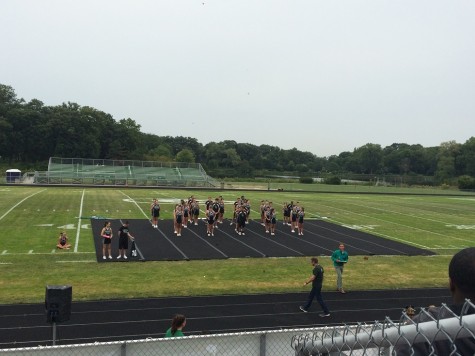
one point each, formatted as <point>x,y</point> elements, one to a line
<point>124,236</point>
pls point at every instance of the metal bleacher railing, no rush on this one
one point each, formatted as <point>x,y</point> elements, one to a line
<point>122,172</point>
<point>430,333</point>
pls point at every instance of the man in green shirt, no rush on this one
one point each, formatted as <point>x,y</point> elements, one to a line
<point>339,258</point>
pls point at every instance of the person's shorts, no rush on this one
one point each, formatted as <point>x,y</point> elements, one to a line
<point>156,215</point>
<point>107,241</point>
<point>123,243</point>
<point>196,212</point>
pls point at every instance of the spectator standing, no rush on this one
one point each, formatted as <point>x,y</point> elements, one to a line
<point>339,258</point>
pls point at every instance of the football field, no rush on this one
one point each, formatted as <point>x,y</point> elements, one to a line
<point>31,219</point>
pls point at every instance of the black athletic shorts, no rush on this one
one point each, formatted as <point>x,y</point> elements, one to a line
<point>107,241</point>
<point>123,243</point>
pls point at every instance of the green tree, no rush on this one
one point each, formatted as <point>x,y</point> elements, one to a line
<point>186,156</point>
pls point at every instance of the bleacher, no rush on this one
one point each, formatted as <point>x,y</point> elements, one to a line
<point>123,172</point>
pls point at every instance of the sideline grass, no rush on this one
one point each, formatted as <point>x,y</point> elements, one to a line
<point>92,281</point>
<point>31,219</point>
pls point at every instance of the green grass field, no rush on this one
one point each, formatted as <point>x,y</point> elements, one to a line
<point>32,217</point>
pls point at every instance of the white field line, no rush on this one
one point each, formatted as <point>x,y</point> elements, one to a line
<point>406,226</point>
<point>417,217</point>
<point>21,201</point>
<point>41,253</point>
<point>388,236</point>
<point>92,261</point>
<point>138,206</point>
<point>78,231</point>
<point>403,214</point>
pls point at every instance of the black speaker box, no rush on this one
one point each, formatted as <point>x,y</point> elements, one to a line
<point>58,303</point>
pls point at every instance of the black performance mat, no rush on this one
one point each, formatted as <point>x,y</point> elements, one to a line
<point>320,238</point>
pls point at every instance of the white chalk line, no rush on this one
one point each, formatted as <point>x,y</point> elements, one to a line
<point>398,224</point>
<point>411,227</point>
<point>136,204</point>
<point>21,201</point>
<point>78,231</point>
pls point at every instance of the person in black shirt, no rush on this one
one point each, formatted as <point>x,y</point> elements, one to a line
<point>124,236</point>
<point>317,280</point>
<point>462,287</point>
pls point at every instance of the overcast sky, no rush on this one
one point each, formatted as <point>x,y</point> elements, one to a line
<point>324,76</point>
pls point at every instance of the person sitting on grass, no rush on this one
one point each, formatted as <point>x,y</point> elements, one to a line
<point>178,323</point>
<point>63,242</point>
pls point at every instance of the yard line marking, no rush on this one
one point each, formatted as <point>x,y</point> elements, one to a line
<point>30,252</point>
<point>138,206</point>
<point>78,231</point>
<point>21,201</point>
<point>44,253</point>
<point>53,251</point>
<point>395,223</point>
<point>6,263</point>
<point>4,252</point>
<point>76,261</point>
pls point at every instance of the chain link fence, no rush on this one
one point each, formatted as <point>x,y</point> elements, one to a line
<point>439,331</point>
<point>258,343</point>
<point>434,331</point>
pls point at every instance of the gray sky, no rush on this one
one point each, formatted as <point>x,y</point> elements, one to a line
<point>321,76</point>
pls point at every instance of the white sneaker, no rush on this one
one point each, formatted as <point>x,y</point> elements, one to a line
<point>125,257</point>
<point>178,234</point>
<point>196,223</point>
<point>119,257</point>
<point>110,257</point>
<point>185,226</point>
<point>292,231</point>
<point>212,234</point>
<point>272,233</point>
<point>267,231</point>
<point>174,232</point>
<point>103,257</point>
<point>209,234</point>
<point>216,227</point>
<point>242,233</point>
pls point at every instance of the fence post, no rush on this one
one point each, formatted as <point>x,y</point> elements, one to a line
<point>123,349</point>
<point>262,345</point>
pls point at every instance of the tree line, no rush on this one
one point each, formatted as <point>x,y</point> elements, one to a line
<point>31,132</point>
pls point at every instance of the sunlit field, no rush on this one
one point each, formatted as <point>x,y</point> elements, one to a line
<point>32,217</point>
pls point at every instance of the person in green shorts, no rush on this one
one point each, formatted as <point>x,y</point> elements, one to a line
<point>339,258</point>
<point>178,323</point>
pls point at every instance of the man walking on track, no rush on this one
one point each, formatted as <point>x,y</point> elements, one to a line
<point>339,258</point>
<point>317,280</point>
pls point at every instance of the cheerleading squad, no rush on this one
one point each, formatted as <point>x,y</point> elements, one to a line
<point>188,212</point>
